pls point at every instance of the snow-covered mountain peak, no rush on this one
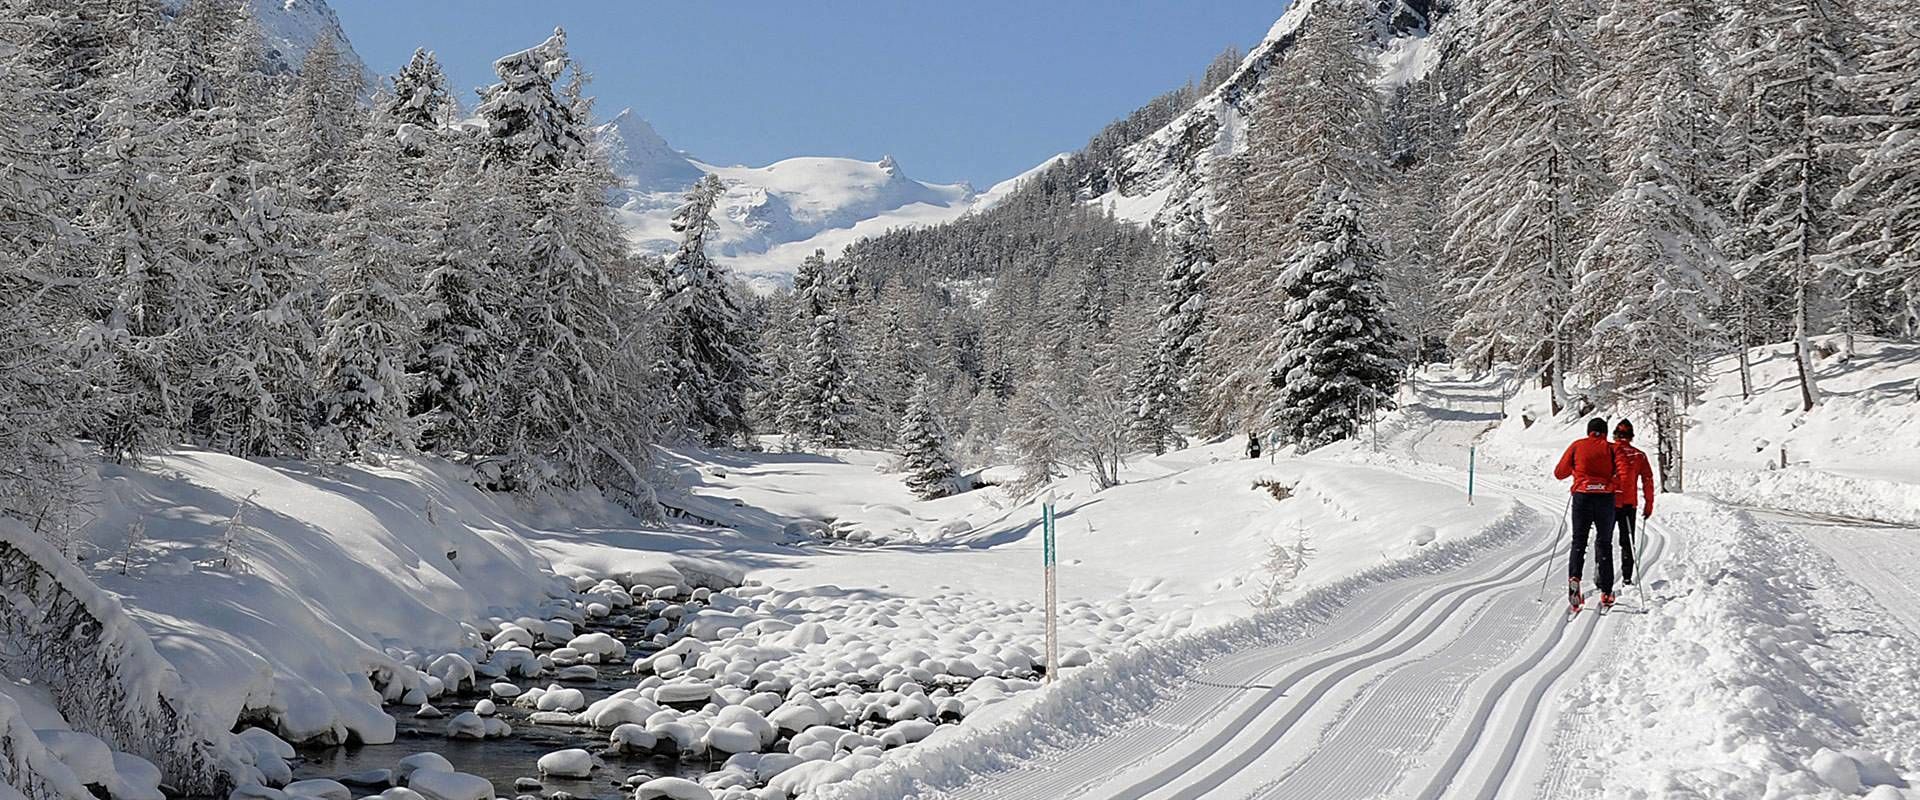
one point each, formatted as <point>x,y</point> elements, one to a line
<point>642,157</point>
<point>773,216</point>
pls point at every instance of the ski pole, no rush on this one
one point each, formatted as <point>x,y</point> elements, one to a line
<point>1546,579</point>
<point>1639,550</point>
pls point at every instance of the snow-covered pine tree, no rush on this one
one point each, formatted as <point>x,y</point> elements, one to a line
<point>1166,377</point>
<point>1227,386</point>
<point>76,45</point>
<point>818,409</point>
<point>708,359</point>
<point>253,394</point>
<point>153,301</point>
<point>1740,147</point>
<point>200,34</point>
<point>928,469</point>
<point>371,258</point>
<point>1423,132</point>
<point>889,344</point>
<point>1529,177</point>
<point>1794,68</point>
<point>1318,124</point>
<point>1035,419</point>
<point>319,129</point>
<point>472,216</point>
<point>1339,355</point>
<point>1653,258</point>
<point>419,98</point>
<point>779,348</point>
<point>38,321</point>
<point>1097,430</point>
<point>556,396</point>
<point>1881,200</point>
<point>527,122</point>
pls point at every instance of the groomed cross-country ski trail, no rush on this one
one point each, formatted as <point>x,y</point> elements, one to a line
<point>1431,685</point>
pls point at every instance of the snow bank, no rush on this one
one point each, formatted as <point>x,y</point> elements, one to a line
<point>1732,689</point>
<point>1812,491</point>
<point>338,586</point>
<point>27,765</point>
<point>101,670</point>
<point>1852,455</point>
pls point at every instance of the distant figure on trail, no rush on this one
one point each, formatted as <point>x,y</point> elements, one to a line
<point>1632,477</point>
<point>1253,446</point>
<point>1590,463</point>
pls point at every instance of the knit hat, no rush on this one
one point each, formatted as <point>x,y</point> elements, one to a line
<point>1597,426</point>
<point>1623,429</point>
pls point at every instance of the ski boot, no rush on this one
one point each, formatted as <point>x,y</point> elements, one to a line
<point>1575,599</point>
<point>1606,602</point>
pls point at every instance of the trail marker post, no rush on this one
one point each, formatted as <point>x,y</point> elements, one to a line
<point>1472,456</point>
<point>1053,624</point>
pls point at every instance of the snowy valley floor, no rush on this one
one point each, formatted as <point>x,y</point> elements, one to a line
<point>833,637</point>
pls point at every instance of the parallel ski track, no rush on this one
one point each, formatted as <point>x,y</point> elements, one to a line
<point>1512,735</point>
<point>1372,631</point>
<point>1533,676</point>
<point>1383,729</point>
<point>1396,717</point>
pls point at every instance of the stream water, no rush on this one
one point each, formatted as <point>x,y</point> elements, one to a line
<point>510,763</point>
<point>504,761</point>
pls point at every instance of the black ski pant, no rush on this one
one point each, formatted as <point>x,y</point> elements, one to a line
<point>1624,520</point>
<point>1593,511</point>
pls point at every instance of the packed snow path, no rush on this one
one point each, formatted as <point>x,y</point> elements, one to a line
<point>1883,559</point>
<point>1427,687</point>
<point>1424,687</point>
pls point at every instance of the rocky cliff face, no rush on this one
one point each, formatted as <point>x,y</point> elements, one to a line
<point>291,28</point>
<point>1413,35</point>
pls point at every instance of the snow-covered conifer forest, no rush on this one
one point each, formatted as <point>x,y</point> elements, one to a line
<point>360,436</point>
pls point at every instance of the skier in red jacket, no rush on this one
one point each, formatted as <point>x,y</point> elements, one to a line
<point>1632,477</point>
<point>1590,463</point>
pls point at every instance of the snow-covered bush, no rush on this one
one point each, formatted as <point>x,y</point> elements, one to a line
<point>100,668</point>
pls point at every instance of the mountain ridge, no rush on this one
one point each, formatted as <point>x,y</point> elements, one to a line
<point>773,216</point>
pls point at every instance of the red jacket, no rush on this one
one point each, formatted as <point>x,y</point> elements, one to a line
<point>1632,475</point>
<point>1589,462</point>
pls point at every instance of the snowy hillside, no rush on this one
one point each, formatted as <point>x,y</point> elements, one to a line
<point>292,27</point>
<point>1852,455</point>
<point>772,217</point>
<point>1411,38</point>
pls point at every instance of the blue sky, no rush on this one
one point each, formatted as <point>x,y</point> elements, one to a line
<point>973,90</point>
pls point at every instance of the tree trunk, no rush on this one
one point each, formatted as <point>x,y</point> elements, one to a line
<point>1743,340</point>
<point>1800,363</point>
<point>1669,435</point>
<point>1746,373</point>
<point>1557,380</point>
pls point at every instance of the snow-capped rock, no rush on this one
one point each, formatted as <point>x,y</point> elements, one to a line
<point>569,763</point>
<point>435,784</point>
<point>671,789</point>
